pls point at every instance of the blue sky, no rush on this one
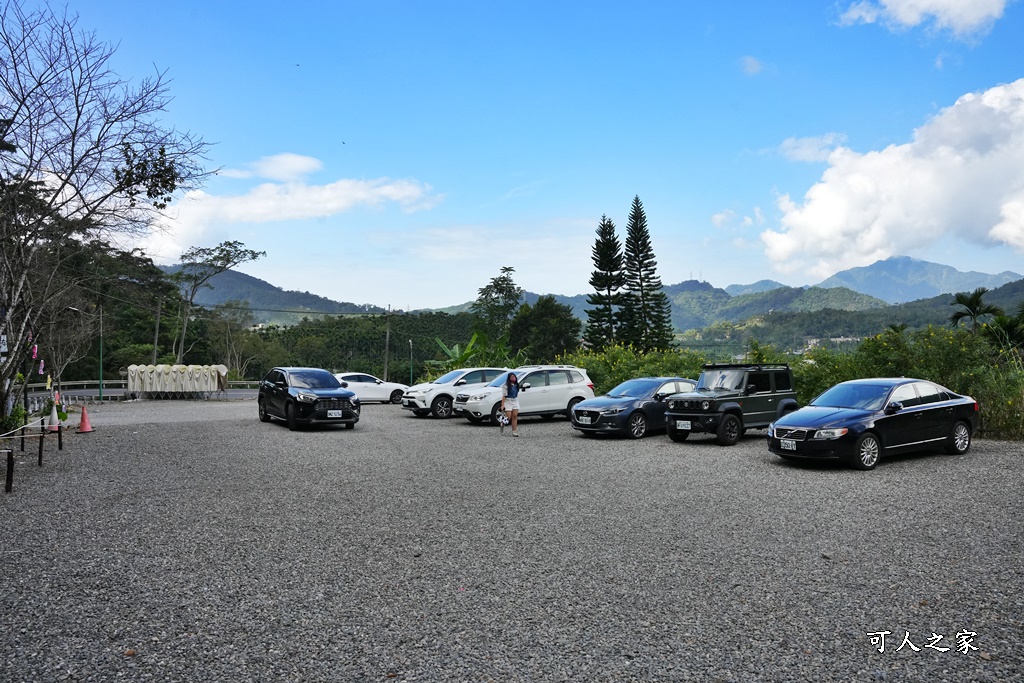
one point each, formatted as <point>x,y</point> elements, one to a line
<point>401,153</point>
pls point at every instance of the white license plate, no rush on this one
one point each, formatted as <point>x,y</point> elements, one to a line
<point>787,444</point>
<point>683,424</point>
<point>333,413</point>
<point>583,419</point>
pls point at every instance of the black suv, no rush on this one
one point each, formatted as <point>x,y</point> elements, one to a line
<point>302,396</point>
<point>729,399</point>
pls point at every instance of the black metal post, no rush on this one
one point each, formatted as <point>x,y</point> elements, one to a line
<point>10,470</point>
<point>42,437</point>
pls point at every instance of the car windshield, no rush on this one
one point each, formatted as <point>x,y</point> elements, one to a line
<point>499,380</point>
<point>448,377</point>
<point>313,379</point>
<point>720,379</point>
<point>854,395</point>
<point>635,388</point>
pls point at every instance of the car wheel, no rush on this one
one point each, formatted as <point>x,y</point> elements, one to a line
<point>264,417</point>
<point>396,396</point>
<point>679,435</point>
<point>867,452</point>
<point>729,430</point>
<point>494,412</point>
<point>441,407</point>
<point>959,440</point>
<point>572,404</point>
<point>289,416</point>
<point>637,425</point>
<point>421,413</point>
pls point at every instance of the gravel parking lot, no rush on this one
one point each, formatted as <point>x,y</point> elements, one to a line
<point>186,541</point>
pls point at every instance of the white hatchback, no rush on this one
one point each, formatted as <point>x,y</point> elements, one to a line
<point>370,388</point>
<point>545,390</point>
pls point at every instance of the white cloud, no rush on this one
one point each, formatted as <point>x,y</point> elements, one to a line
<point>751,65</point>
<point>728,218</point>
<point>812,149</point>
<point>962,176</point>
<point>961,17</point>
<point>286,168</point>
<point>722,218</point>
<point>189,219</point>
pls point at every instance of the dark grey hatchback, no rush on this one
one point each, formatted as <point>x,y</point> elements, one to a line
<point>302,396</point>
<point>633,408</point>
<point>862,420</point>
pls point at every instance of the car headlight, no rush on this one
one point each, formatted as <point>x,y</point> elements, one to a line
<point>306,398</point>
<point>829,434</point>
<point>771,430</point>
<point>612,411</point>
<point>706,405</point>
<point>478,397</point>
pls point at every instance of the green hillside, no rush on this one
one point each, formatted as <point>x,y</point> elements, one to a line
<point>778,314</point>
<point>272,304</point>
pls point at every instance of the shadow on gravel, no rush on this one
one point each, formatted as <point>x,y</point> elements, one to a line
<point>888,460</point>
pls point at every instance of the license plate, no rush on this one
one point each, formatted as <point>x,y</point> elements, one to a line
<point>406,402</point>
<point>787,444</point>
<point>583,419</point>
<point>683,424</point>
<point>333,413</point>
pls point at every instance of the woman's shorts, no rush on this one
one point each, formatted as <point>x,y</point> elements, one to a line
<point>511,404</point>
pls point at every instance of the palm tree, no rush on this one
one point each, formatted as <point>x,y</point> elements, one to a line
<point>972,307</point>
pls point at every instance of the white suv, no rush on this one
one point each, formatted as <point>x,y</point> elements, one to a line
<point>545,390</point>
<point>436,397</point>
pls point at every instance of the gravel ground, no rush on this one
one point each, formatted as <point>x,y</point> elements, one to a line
<point>186,541</point>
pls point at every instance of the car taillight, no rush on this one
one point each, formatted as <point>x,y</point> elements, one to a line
<point>591,385</point>
<point>976,407</point>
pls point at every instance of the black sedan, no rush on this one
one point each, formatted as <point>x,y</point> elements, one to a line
<point>302,396</point>
<point>633,408</point>
<point>862,420</point>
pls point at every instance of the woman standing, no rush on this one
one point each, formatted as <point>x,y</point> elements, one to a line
<point>510,402</point>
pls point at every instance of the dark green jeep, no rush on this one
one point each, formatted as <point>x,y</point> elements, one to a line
<point>729,399</point>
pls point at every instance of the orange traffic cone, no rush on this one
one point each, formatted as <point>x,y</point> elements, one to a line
<point>53,424</point>
<point>84,425</point>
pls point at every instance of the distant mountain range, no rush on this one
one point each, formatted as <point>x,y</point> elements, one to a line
<point>695,304</point>
<point>900,279</point>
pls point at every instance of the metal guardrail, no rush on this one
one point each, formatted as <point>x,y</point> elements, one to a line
<point>122,385</point>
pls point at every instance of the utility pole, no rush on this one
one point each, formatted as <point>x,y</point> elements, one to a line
<point>156,334</point>
<point>101,354</point>
<point>387,341</point>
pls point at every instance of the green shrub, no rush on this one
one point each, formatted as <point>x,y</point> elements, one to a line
<point>615,364</point>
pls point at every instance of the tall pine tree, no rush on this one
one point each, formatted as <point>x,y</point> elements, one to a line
<point>607,279</point>
<point>646,314</point>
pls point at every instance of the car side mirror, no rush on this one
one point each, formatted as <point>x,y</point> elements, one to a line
<point>526,386</point>
<point>893,407</point>
<point>380,381</point>
<point>659,397</point>
<point>344,385</point>
<point>459,383</point>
